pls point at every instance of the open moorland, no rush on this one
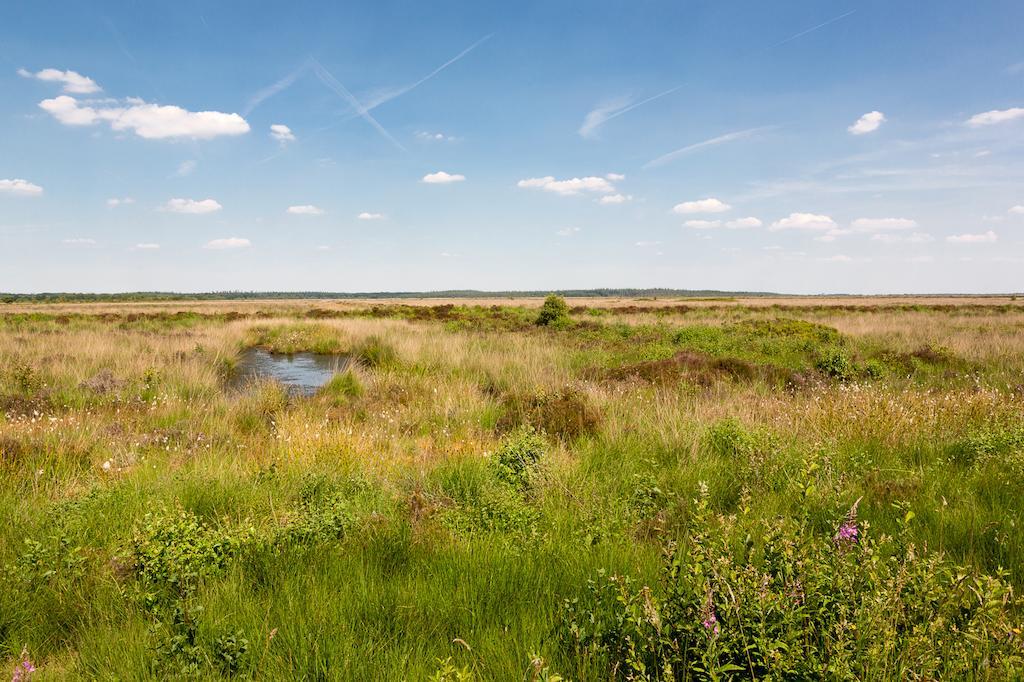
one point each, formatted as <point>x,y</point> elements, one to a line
<point>598,489</point>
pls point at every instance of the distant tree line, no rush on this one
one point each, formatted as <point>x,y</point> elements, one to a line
<point>143,296</point>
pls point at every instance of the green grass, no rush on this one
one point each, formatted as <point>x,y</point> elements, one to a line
<point>473,476</point>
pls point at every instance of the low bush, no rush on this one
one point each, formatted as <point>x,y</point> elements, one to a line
<point>554,311</point>
<point>800,604</point>
<point>566,414</point>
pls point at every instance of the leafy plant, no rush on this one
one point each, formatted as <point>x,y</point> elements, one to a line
<point>554,311</point>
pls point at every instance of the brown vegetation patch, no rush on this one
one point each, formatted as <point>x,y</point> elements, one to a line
<point>565,414</point>
<point>705,370</point>
<point>102,383</point>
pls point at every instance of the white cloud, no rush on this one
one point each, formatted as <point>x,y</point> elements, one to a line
<point>228,243</point>
<point>995,116</point>
<point>920,259</point>
<point>703,224</point>
<point>742,223</point>
<point>838,258</point>
<point>323,247</point>
<point>366,215</point>
<point>982,238</point>
<point>615,177</point>
<point>191,206</point>
<point>306,209</point>
<point>282,133</point>
<point>883,224</point>
<point>568,231</point>
<point>147,246</point>
<point>645,244</point>
<point>868,123</point>
<point>79,241</point>
<point>1018,210</point>
<point>804,221</point>
<point>915,238</point>
<point>150,121</point>
<point>615,199</point>
<point>833,235</point>
<point>569,187</point>
<point>709,205</point>
<point>434,137</point>
<point>186,168</point>
<point>442,178</point>
<point>20,187</point>
<point>72,81</point>
<point>115,202</point>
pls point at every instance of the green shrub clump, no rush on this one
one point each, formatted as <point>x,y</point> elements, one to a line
<point>518,457</point>
<point>555,311</point>
<point>800,604</point>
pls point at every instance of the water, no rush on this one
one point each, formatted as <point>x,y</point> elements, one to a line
<point>301,373</point>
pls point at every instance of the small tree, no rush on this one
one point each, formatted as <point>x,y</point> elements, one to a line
<point>553,311</point>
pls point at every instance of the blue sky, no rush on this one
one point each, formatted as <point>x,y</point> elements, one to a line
<point>847,146</point>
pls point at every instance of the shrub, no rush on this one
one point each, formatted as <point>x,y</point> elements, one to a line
<point>834,363</point>
<point>565,414</point>
<point>554,311</point>
<point>805,605</point>
<point>517,459</point>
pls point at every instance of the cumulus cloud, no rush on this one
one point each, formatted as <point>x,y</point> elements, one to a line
<point>20,187</point>
<point>282,133</point>
<point>306,209</point>
<point>227,243</point>
<point>147,246</point>
<point>980,238</point>
<point>79,241</point>
<point>868,123</point>
<point>615,199</point>
<point>915,238</point>
<point>882,224</point>
<point>568,231</point>
<point>192,206</point>
<point>442,178</point>
<point>115,202</point>
<point>72,81</point>
<point>434,137</point>
<point>1018,210</point>
<point>804,221</point>
<point>645,244</point>
<point>572,186</point>
<point>838,258</point>
<point>709,205</point>
<point>366,215</point>
<point>703,224</point>
<point>149,121</point>
<point>743,223</point>
<point>995,116</point>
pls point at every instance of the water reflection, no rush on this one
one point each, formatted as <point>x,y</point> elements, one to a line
<point>300,373</point>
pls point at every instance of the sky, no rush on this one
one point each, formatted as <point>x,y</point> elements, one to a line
<point>798,146</point>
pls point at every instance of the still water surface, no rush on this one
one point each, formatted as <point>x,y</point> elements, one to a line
<point>300,373</point>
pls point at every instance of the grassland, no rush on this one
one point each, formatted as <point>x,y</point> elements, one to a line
<point>684,489</point>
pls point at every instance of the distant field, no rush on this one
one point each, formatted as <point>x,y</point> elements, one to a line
<point>671,488</point>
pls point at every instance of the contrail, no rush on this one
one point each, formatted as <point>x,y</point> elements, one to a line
<point>334,84</point>
<point>721,139</point>
<point>272,90</point>
<point>813,29</point>
<point>597,118</point>
<point>387,97</point>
